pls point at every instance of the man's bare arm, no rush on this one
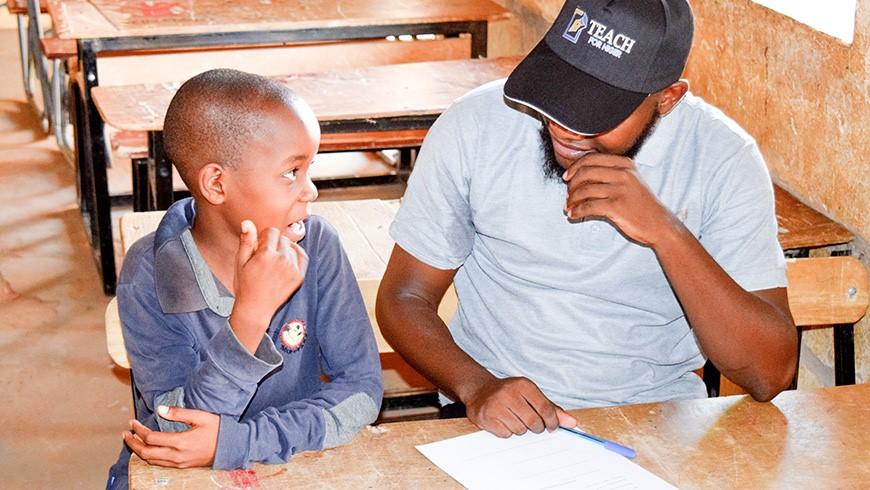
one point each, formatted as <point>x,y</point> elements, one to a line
<point>407,313</point>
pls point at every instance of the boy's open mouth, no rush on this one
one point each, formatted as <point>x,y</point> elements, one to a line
<point>297,230</point>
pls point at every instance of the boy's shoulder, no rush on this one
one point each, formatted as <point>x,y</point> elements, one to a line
<point>138,265</point>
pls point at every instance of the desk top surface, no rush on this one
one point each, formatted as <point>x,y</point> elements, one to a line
<point>410,89</point>
<point>90,19</point>
<point>800,226</point>
<point>803,439</point>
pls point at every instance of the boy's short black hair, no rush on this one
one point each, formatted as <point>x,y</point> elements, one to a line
<point>214,115</point>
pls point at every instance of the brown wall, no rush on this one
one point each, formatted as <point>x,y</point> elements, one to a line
<point>802,94</point>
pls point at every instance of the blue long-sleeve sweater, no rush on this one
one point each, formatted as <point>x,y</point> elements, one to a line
<point>272,404</point>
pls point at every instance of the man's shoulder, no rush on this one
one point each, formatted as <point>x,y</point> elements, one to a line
<point>709,120</point>
<point>485,98</point>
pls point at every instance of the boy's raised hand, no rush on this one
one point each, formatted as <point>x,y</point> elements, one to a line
<point>268,271</point>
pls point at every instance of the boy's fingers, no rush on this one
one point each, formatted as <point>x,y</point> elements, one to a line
<point>284,245</point>
<point>188,416</point>
<point>301,257</point>
<point>247,242</point>
<point>272,235</point>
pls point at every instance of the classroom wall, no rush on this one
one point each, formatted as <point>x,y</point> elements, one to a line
<point>803,95</point>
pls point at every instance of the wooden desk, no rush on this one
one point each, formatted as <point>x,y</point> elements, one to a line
<point>803,439</point>
<point>105,26</point>
<point>398,97</point>
<point>802,228</point>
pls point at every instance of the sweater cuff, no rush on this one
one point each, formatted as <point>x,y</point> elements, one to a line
<point>232,444</point>
<point>231,356</point>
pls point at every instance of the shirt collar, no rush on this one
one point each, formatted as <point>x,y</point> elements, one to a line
<point>182,278</point>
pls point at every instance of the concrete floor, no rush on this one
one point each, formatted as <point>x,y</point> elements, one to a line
<point>64,404</point>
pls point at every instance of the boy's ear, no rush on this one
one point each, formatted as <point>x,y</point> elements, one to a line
<point>211,181</point>
<point>671,96</point>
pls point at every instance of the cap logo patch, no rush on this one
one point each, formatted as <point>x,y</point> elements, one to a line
<point>600,36</point>
<point>577,24</point>
<point>607,40</point>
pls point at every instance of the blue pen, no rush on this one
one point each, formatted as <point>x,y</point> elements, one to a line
<point>609,445</point>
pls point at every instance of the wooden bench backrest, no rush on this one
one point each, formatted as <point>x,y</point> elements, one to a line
<point>827,290</point>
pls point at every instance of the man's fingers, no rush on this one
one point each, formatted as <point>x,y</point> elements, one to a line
<point>247,242</point>
<point>543,408</point>
<point>590,191</point>
<point>591,208</point>
<point>565,419</point>
<point>529,417</point>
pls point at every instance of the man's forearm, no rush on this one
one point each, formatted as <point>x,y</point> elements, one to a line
<point>412,326</point>
<point>750,339</point>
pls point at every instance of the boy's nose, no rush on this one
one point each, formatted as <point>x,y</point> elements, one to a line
<point>309,193</point>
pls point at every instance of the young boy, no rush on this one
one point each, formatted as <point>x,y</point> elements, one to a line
<point>239,301</point>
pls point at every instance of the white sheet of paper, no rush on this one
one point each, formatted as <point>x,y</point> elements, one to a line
<point>550,460</point>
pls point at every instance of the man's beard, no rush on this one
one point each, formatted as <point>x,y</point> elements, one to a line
<point>553,170</point>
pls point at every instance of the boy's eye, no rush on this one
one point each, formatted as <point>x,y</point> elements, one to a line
<point>290,175</point>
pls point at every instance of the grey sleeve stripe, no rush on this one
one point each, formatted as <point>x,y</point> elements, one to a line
<point>174,398</point>
<point>344,420</point>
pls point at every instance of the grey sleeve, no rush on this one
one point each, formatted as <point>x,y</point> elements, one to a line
<point>740,228</point>
<point>434,223</point>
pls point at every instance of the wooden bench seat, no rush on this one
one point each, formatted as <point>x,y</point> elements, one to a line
<point>58,49</point>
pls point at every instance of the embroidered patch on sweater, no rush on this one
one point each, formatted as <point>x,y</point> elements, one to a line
<point>293,335</point>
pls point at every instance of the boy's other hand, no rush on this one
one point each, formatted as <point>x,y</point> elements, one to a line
<point>514,406</point>
<point>268,271</point>
<point>191,448</point>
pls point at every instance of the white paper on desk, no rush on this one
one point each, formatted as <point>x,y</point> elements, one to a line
<point>550,460</point>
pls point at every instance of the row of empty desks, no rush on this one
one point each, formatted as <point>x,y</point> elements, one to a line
<point>802,439</point>
<point>381,98</point>
<point>109,26</point>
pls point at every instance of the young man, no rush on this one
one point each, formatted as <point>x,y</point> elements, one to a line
<point>605,233</point>
<point>229,333</point>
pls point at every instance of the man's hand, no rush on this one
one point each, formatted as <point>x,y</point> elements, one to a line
<point>267,273</point>
<point>188,449</point>
<point>514,406</point>
<point>608,186</point>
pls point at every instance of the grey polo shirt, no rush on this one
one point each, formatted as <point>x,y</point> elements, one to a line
<point>586,314</point>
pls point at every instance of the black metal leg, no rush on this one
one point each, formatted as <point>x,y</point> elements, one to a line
<point>160,173</point>
<point>844,344</point>
<point>844,354</point>
<point>92,164</point>
<point>479,32</point>
<point>794,380</point>
<point>139,168</point>
<point>711,379</point>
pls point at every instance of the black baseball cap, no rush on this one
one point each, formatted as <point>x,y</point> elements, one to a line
<point>601,59</point>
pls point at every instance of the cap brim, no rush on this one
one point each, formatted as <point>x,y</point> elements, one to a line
<point>568,96</point>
